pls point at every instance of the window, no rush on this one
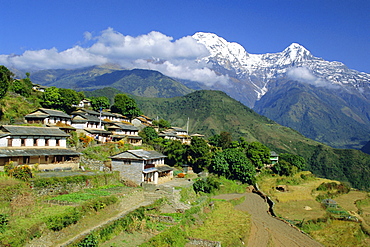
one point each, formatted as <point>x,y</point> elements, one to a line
<point>35,141</point>
<point>10,142</point>
<point>127,162</point>
<point>46,142</point>
<point>23,142</point>
<point>58,142</point>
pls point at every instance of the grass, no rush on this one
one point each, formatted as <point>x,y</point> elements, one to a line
<point>299,204</point>
<point>341,233</point>
<point>224,224</point>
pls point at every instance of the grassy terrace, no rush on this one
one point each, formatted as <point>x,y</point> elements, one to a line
<point>300,205</point>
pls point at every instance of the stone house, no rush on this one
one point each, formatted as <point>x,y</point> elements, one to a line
<point>141,166</point>
<point>46,146</point>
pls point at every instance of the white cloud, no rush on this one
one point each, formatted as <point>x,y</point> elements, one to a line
<point>175,58</point>
<point>303,74</point>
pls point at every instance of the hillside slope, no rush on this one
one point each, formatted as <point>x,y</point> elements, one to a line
<point>146,83</point>
<point>211,112</point>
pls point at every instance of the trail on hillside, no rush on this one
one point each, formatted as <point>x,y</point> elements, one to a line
<point>267,230</point>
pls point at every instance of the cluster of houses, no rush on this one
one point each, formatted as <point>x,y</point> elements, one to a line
<point>47,146</point>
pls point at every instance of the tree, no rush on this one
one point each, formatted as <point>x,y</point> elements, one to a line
<point>199,154</point>
<point>148,134</point>
<point>233,164</point>
<point>284,168</point>
<point>223,140</point>
<point>176,153</point>
<point>125,106</point>
<point>6,77</point>
<point>98,103</point>
<point>162,124</point>
<point>258,153</point>
<point>294,160</point>
<point>60,99</point>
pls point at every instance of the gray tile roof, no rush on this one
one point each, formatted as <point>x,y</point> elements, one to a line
<point>33,131</point>
<point>98,131</point>
<point>41,112</point>
<point>123,126</point>
<point>139,154</point>
<point>10,152</point>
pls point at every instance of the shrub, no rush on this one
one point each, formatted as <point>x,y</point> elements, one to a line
<point>181,175</point>
<point>206,185</point>
<point>69,217</point>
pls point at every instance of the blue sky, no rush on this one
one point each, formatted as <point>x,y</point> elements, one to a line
<point>334,30</point>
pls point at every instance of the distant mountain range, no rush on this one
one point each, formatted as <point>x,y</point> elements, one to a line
<point>323,100</point>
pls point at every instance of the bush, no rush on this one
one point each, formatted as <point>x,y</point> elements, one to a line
<point>206,185</point>
<point>69,217</point>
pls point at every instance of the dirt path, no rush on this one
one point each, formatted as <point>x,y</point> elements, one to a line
<point>267,230</point>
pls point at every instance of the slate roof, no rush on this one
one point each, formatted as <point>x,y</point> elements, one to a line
<point>126,126</point>
<point>9,152</point>
<point>139,154</point>
<point>32,131</point>
<point>43,113</point>
<point>158,168</point>
<point>85,111</point>
<point>97,131</point>
<point>82,118</point>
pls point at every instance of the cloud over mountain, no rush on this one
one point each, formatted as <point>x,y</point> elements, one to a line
<point>176,58</point>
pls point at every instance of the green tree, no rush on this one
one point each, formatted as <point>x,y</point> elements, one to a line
<point>125,106</point>
<point>223,140</point>
<point>176,153</point>
<point>61,99</point>
<point>51,98</point>
<point>219,165</point>
<point>100,102</point>
<point>22,87</point>
<point>148,134</point>
<point>162,124</point>
<point>258,153</point>
<point>6,77</point>
<point>294,160</point>
<point>284,168</point>
<point>199,155</point>
<point>241,168</point>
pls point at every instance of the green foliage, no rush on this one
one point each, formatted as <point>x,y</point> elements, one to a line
<point>174,236</point>
<point>4,220</point>
<point>294,160</point>
<point>20,172</point>
<point>223,140</point>
<point>60,221</point>
<point>199,154</point>
<point>176,153</point>
<point>6,77</point>
<point>100,102</point>
<point>148,134</point>
<point>284,168</point>
<point>258,153</point>
<point>22,87</point>
<point>60,99</point>
<point>162,124</point>
<point>233,164</point>
<point>89,241</point>
<point>126,106</point>
<point>206,185</point>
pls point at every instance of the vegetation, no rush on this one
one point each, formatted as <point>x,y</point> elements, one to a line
<point>126,106</point>
<point>6,77</point>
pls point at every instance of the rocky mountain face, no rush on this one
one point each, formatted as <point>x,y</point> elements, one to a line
<point>323,100</point>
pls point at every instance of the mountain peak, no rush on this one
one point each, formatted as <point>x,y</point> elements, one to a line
<point>295,53</point>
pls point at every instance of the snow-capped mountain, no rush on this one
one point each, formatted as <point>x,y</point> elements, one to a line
<point>323,100</point>
<point>259,69</point>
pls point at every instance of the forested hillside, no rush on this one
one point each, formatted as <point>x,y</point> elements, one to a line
<point>210,112</point>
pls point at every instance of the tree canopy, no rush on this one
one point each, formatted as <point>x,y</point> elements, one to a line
<point>100,102</point>
<point>126,106</point>
<point>6,77</point>
<point>60,99</point>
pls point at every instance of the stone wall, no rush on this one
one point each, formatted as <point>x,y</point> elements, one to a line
<point>204,242</point>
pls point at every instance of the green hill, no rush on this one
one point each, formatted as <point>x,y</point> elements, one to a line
<point>210,112</point>
<point>146,83</point>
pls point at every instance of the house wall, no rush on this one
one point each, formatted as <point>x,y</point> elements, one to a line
<point>133,172</point>
<point>79,125</point>
<point>4,141</point>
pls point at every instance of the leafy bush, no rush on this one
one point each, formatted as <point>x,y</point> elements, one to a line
<point>69,217</point>
<point>3,222</point>
<point>206,185</point>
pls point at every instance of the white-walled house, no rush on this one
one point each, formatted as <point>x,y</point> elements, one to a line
<point>28,145</point>
<point>48,116</point>
<point>141,166</point>
<point>127,132</point>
